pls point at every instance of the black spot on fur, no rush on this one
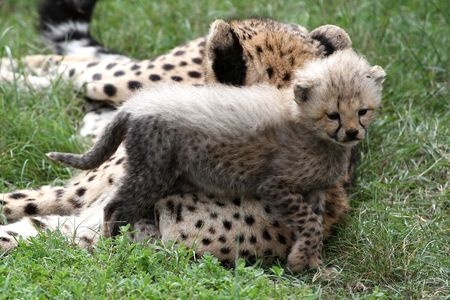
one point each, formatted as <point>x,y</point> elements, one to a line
<point>31,209</point>
<point>183,236</point>
<point>212,230</point>
<point>179,213</point>
<point>168,67</point>
<point>109,90</point>
<point>281,239</point>
<point>267,209</point>
<point>237,201</point>
<point>269,72</point>
<point>154,77</point>
<point>194,74</point>
<point>268,252</point>
<point>81,191</point>
<point>17,196</point>
<point>287,77</point>
<point>183,63</point>
<point>171,207</point>
<point>244,253</point>
<point>213,215</point>
<point>220,204</point>
<point>120,160</point>
<point>4,239</point>
<point>110,66</point>
<point>97,76</point>
<point>253,239</point>
<point>119,73</point>
<point>134,85</point>
<point>71,72</point>
<point>176,78</point>
<point>228,64</point>
<point>179,52</point>
<point>249,220</point>
<point>3,202</point>
<point>190,208</point>
<point>110,179</point>
<point>276,224</point>
<point>225,250</point>
<point>325,42</point>
<point>92,64</point>
<point>12,233</point>
<point>135,67</point>
<point>236,216</point>
<point>269,46</point>
<point>91,178</point>
<point>206,241</point>
<point>227,224</point>
<point>199,224</point>
<point>240,238</point>
<point>266,235</point>
<point>197,60</point>
<point>222,239</point>
<point>306,234</point>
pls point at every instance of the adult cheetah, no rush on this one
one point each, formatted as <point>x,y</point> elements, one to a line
<point>260,50</point>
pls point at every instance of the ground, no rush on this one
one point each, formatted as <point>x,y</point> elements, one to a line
<point>395,241</point>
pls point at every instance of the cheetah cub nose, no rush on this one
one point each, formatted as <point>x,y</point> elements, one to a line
<point>352,133</point>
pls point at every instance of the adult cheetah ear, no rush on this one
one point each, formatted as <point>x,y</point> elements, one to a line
<point>224,58</point>
<point>378,75</point>
<point>302,90</point>
<point>331,38</point>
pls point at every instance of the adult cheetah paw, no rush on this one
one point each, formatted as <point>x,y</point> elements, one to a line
<point>7,243</point>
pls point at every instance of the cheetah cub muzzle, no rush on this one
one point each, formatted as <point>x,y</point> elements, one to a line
<point>283,146</point>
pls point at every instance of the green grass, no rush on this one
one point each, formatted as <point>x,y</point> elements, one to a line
<point>395,243</point>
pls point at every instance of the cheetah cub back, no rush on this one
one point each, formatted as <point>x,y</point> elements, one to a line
<point>284,146</point>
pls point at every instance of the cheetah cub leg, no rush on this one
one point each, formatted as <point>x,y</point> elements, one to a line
<point>304,216</point>
<point>140,188</point>
<point>306,251</point>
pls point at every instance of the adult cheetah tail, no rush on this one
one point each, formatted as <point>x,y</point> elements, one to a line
<point>103,149</point>
<point>64,26</point>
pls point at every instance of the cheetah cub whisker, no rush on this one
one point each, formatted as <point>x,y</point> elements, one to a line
<point>285,146</point>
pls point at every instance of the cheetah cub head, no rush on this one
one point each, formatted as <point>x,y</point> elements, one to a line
<point>338,96</point>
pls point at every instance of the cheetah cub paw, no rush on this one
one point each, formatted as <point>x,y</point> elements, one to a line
<point>298,259</point>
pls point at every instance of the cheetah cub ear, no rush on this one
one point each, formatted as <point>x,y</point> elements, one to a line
<point>378,75</point>
<point>302,88</point>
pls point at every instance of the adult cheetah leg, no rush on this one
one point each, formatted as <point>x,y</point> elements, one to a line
<point>303,215</point>
<point>82,230</point>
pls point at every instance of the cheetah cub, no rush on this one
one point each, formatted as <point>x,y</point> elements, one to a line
<point>283,146</point>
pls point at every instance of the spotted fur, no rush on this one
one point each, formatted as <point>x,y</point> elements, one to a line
<point>94,74</point>
<point>285,146</point>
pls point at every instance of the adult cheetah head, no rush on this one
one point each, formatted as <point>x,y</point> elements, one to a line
<point>251,51</point>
